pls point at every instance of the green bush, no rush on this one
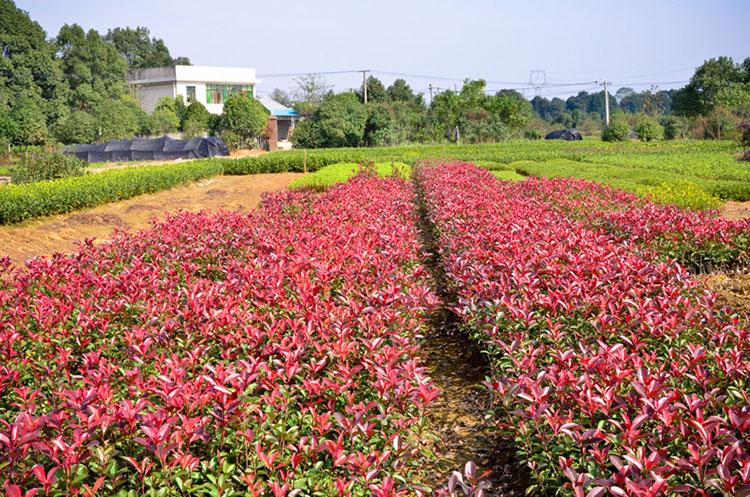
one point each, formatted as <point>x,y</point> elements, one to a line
<point>42,166</point>
<point>43,198</point>
<point>76,127</point>
<point>617,131</point>
<point>648,129</point>
<point>675,127</point>
<point>163,121</point>
<point>532,134</point>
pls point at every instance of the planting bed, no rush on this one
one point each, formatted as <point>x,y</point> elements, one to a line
<point>300,350</point>
<point>615,372</point>
<point>269,354</point>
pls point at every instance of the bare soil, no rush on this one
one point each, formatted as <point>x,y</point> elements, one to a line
<point>63,233</point>
<point>735,210</point>
<point>732,289</point>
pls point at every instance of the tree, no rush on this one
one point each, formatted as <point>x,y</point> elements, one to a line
<point>675,127</point>
<point>338,122</point>
<point>28,67</point>
<point>648,129</point>
<point>622,93</point>
<point>115,119</point>
<point>29,124</point>
<point>310,92</point>
<point>196,120</point>
<point>375,91</point>
<point>95,71</point>
<point>382,127</point>
<point>400,91</point>
<point>163,121</point>
<point>140,50</point>
<point>245,117</point>
<point>76,127</point>
<point>714,84</point>
<point>617,131</point>
<point>281,97</point>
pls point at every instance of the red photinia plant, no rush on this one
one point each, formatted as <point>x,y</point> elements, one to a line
<point>702,240</point>
<point>223,354</point>
<point>615,372</point>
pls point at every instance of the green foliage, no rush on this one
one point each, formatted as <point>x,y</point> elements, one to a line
<point>163,121</point>
<point>684,194</point>
<point>28,125</point>
<point>28,66</point>
<point>94,70</point>
<point>532,134</point>
<point>375,91</point>
<point>20,202</point>
<point>198,113</point>
<point>716,83</point>
<point>244,117</point>
<point>116,119</point>
<point>382,127</point>
<point>338,122</point>
<point>508,176</point>
<point>76,127</point>
<point>617,131</point>
<point>140,50</point>
<point>648,128</point>
<point>41,166</point>
<point>340,173</point>
<point>675,127</point>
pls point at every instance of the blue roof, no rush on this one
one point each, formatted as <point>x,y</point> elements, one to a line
<point>277,109</point>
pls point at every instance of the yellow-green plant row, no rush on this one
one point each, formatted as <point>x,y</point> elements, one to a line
<point>21,202</point>
<point>339,173</point>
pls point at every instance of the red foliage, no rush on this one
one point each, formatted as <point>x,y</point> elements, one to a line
<point>222,353</point>
<point>615,372</point>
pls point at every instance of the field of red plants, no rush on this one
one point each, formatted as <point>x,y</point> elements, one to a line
<point>614,372</point>
<point>270,354</point>
<point>278,353</point>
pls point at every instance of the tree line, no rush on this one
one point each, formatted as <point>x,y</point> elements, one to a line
<point>712,106</point>
<point>72,88</point>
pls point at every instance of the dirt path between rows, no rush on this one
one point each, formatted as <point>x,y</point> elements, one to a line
<point>62,233</point>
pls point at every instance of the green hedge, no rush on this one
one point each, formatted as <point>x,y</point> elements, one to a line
<point>21,202</point>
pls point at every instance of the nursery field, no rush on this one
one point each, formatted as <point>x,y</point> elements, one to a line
<point>696,174</point>
<point>317,346</point>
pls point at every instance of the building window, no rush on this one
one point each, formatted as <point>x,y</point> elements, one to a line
<point>217,93</point>
<point>191,94</point>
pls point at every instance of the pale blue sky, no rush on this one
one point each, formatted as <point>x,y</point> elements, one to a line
<point>636,41</point>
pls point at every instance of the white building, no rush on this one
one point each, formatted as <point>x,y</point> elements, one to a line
<point>208,85</point>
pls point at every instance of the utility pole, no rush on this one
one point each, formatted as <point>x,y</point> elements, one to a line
<point>364,83</point>
<point>606,101</point>
<point>430,88</point>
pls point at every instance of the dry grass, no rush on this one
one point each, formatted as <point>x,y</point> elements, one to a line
<point>63,233</point>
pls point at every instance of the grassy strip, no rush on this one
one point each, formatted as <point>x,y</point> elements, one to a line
<point>508,175</point>
<point>340,173</point>
<point>21,202</point>
<point>663,186</point>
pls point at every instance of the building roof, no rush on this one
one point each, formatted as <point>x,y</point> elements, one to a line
<point>277,109</point>
<point>209,74</point>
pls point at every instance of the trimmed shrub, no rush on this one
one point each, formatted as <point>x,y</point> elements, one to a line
<point>43,198</point>
<point>41,166</point>
<point>684,194</point>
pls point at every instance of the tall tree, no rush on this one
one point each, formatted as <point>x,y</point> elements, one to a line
<point>140,49</point>
<point>375,91</point>
<point>400,91</point>
<point>95,71</point>
<point>28,67</point>
<point>717,82</point>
